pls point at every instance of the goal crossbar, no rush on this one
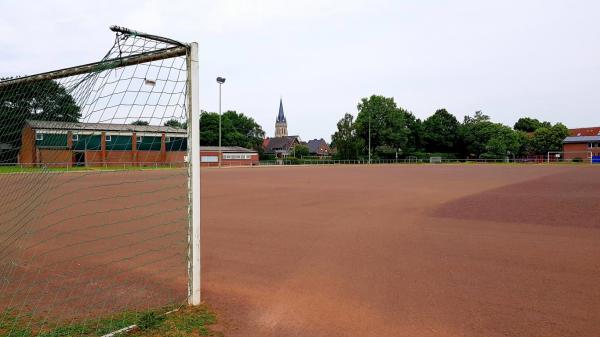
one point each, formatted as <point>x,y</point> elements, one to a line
<point>113,63</point>
<point>127,31</point>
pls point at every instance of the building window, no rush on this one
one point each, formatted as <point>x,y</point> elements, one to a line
<point>138,139</point>
<point>236,156</point>
<point>39,136</point>
<point>75,138</point>
<point>209,159</point>
<point>108,138</point>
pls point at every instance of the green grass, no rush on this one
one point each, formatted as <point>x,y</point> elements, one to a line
<point>185,322</point>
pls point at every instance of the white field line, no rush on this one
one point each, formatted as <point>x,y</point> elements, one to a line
<point>131,327</point>
<point>118,332</point>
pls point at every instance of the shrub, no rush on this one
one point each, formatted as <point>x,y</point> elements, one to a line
<point>291,161</point>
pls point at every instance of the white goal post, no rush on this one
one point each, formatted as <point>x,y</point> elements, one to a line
<point>194,297</point>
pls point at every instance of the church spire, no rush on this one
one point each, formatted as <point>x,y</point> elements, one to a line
<point>281,115</point>
<point>281,122</point>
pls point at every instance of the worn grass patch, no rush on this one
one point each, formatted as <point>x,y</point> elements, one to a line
<point>187,322</point>
<point>184,322</point>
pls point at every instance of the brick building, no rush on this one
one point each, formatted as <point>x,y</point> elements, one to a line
<point>582,144</point>
<point>102,144</point>
<point>231,156</point>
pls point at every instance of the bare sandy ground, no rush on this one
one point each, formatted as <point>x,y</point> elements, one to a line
<point>404,251</point>
<point>453,250</point>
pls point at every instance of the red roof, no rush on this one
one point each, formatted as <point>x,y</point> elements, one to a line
<point>594,131</point>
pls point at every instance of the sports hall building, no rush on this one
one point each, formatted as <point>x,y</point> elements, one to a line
<point>60,144</point>
<point>582,143</point>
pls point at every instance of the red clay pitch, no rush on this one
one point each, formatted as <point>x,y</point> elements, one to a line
<point>449,250</point>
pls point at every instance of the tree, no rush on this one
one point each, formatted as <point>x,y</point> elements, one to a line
<point>174,123</point>
<point>301,150</point>
<point>482,138</point>
<point>236,130</point>
<point>415,135</point>
<point>548,139</point>
<point>140,122</point>
<point>524,140</point>
<point>209,128</point>
<point>42,100</point>
<point>240,130</point>
<point>389,126</point>
<point>503,142</point>
<point>347,143</point>
<point>441,132</point>
<point>478,117</point>
<point>527,124</point>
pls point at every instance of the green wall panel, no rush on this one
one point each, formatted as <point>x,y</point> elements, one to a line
<point>119,143</point>
<point>52,140</point>
<point>149,144</point>
<point>177,144</point>
<point>88,142</point>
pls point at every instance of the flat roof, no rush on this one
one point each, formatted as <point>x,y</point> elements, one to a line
<point>50,125</point>
<point>581,139</point>
<point>228,149</point>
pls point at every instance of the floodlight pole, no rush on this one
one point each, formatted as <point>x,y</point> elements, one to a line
<point>220,118</point>
<point>369,137</point>
<point>194,297</point>
<point>220,80</point>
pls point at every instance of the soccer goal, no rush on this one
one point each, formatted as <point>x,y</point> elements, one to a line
<point>570,156</point>
<point>99,166</point>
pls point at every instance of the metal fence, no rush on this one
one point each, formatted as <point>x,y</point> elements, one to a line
<point>319,162</point>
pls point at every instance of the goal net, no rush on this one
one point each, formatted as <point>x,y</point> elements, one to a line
<point>95,218</point>
<point>435,160</point>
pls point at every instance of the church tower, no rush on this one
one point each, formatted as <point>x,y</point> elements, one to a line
<point>281,123</point>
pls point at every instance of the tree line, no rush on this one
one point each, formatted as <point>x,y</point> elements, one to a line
<point>237,129</point>
<point>397,133</point>
<point>394,131</point>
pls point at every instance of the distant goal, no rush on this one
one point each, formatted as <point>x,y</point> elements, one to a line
<point>572,157</point>
<point>435,160</point>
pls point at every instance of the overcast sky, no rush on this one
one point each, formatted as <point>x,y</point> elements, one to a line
<point>508,58</point>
